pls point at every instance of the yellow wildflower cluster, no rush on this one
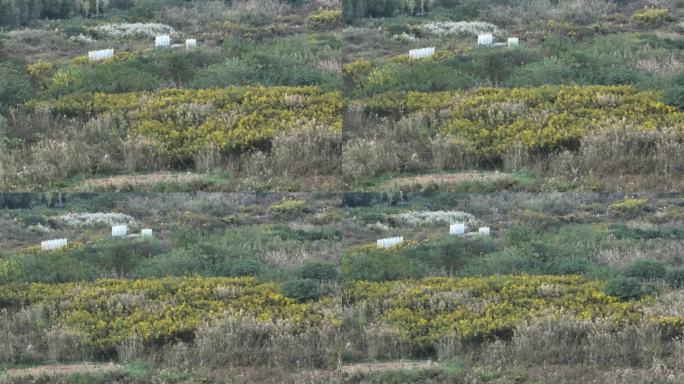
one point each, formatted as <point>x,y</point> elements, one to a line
<point>287,208</point>
<point>477,308</point>
<point>543,118</point>
<point>107,312</point>
<point>651,16</point>
<point>327,17</point>
<point>629,206</point>
<point>421,312</point>
<point>182,122</point>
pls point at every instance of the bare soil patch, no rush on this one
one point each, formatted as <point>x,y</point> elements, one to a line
<point>61,370</point>
<point>136,181</point>
<point>387,366</point>
<point>444,178</point>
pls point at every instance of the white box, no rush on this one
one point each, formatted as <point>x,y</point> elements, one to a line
<point>102,54</point>
<point>49,245</point>
<point>146,232</point>
<point>390,242</point>
<point>486,39</point>
<point>119,230</point>
<point>457,229</point>
<point>190,44</point>
<point>512,42</point>
<point>484,231</point>
<point>162,41</point>
<point>421,53</point>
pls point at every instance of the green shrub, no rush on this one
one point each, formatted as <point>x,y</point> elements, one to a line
<point>674,92</point>
<point>512,260</point>
<point>355,9</point>
<point>15,86</point>
<point>573,267</point>
<point>647,270</point>
<point>179,262</point>
<point>381,266</point>
<point>302,289</point>
<point>550,71</point>
<point>285,232</point>
<point>624,288</point>
<point>675,277</point>
<point>230,72</point>
<point>318,270</point>
<point>240,267</point>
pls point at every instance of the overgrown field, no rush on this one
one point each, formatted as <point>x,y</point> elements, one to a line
<point>295,283</point>
<point>533,111</point>
<point>255,106</point>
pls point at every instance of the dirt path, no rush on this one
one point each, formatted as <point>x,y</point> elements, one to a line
<point>387,366</point>
<point>135,181</point>
<point>61,369</point>
<point>443,178</point>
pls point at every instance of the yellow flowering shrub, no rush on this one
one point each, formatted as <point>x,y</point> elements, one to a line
<point>541,119</point>
<point>327,17</point>
<point>629,206</point>
<point>182,122</point>
<point>651,16</point>
<point>287,208</point>
<point>482,308</point>
<point>107,312</point>
<point>355,71</point>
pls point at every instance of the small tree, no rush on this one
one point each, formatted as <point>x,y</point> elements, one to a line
<point>302,289</point>
<point>318,270</point>
<point>675,277</point>
<point>646,270</point>
<point>624,288</point>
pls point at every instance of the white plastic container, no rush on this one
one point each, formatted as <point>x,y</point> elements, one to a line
<point>162,41</point>
<point>421,53</point>
<point>457,229</point>
<point>390,242</point>
<point>119,230</point>
<point>486,39</point>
